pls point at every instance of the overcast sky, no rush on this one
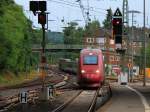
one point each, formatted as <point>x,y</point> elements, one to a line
<point>60,9</point>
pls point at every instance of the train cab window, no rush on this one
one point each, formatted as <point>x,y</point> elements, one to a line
<point>90,60</point>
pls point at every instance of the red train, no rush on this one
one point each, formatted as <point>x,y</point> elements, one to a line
<point>91,68</point>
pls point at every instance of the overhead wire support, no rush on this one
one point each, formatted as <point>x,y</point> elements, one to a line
<point>144,26</point>
<point>88,13</point>
<point>126,29</point>
<point>83,10</point>
<point>125,18</point>
<point>125,13</point>
<point>132,39</point>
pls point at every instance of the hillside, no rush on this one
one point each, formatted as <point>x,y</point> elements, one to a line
<point>16,37</point>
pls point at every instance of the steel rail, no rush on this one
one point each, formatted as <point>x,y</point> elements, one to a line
<point>93,104</point>
<point>7,102</point>
<point>61,107</point>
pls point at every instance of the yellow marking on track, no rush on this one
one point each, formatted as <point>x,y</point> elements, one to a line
<point>59,92</point>
<point>65,78</point>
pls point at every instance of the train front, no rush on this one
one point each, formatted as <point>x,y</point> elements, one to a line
<point>90,68</point>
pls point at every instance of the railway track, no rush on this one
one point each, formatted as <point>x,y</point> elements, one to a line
<point>83,101</point>
<point>49,79</point>
<point>33,89</point>
<point>7,102</point>
<point>86,100</point>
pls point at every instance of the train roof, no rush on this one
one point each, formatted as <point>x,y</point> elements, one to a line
<point>91,50</point>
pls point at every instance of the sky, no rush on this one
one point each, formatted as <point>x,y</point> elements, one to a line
<point>59,9</point>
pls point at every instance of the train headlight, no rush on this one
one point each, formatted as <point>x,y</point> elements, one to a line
<point>82,71</point>
<point>97,71</point>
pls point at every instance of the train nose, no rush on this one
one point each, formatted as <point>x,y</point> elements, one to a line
<point>95,72</point>
<point>93,77</point>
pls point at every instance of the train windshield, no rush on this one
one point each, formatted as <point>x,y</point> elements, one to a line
<point>90,60</point>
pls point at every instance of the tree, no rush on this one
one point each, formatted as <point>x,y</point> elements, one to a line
<point>73,34</point>
<point>107,23</point>
<point>148,55</point>
<point>92,28</point>
<point>16,37</point>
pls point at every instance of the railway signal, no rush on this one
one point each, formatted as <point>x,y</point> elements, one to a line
<point>117,26</point>
<point>34,6</point>
<point>38,6</point>
<point>42,18</point>
<point>117,23</point>
<point>41,6</point>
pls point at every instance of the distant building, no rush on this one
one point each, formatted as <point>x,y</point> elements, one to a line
<point>103,40</point>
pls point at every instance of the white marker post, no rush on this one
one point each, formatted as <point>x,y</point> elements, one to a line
<point>23,97</point>
<point>50,91</point>
<point>23,100</point>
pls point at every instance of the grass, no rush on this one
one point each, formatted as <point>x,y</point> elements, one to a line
<point>10,79</point>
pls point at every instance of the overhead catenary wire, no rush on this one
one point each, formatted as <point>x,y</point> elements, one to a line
<point>102,8</point>
<point>73,3</point>
<point>77,6</point>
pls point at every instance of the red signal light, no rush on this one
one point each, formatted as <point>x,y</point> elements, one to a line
<point>117,30</point>
<point>117,21</point>
<point>42,18</point>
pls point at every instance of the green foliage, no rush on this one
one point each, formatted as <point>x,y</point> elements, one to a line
<point>107,22</point>
<point>16,37</point>
<point>6,2</point>
<point>92,28</point>
<point>139,60</point>
<point>148,56</point>
<point>36,36</point>
<point>74,34</point>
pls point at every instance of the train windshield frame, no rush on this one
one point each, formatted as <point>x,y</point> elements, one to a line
<point>90,60</point>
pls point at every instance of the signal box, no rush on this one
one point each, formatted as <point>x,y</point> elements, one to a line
<point>38,6</point>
